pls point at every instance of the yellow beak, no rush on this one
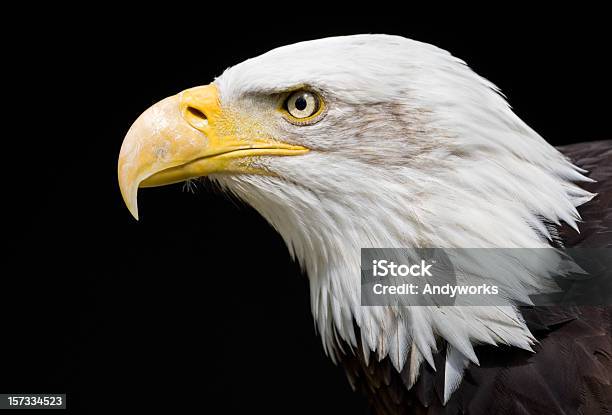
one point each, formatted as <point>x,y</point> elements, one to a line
<point>186,136</point>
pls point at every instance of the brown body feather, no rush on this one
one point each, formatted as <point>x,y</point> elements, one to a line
<point>571,369</point>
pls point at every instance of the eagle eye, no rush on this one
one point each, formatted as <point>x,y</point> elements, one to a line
<point>302,105</point>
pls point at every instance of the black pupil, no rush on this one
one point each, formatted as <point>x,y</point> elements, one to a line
<point>300,103</point>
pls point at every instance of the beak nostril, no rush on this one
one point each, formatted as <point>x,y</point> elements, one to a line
<point>196,113</point>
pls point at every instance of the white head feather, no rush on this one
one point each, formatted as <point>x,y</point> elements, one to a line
<point>415,150</point>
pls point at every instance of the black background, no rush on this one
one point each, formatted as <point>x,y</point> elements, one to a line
<point>198,305</point>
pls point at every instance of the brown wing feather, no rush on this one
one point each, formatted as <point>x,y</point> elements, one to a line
<point>571,371</point>
<point>596,226</point>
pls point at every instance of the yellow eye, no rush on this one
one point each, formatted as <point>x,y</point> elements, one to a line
<point>302,104</point>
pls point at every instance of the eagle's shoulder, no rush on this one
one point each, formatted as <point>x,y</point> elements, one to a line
<point>571,371</point>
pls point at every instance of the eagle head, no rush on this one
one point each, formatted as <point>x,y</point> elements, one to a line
<point>367,141</point>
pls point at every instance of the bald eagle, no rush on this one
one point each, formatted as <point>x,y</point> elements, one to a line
<point>380,141</point>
